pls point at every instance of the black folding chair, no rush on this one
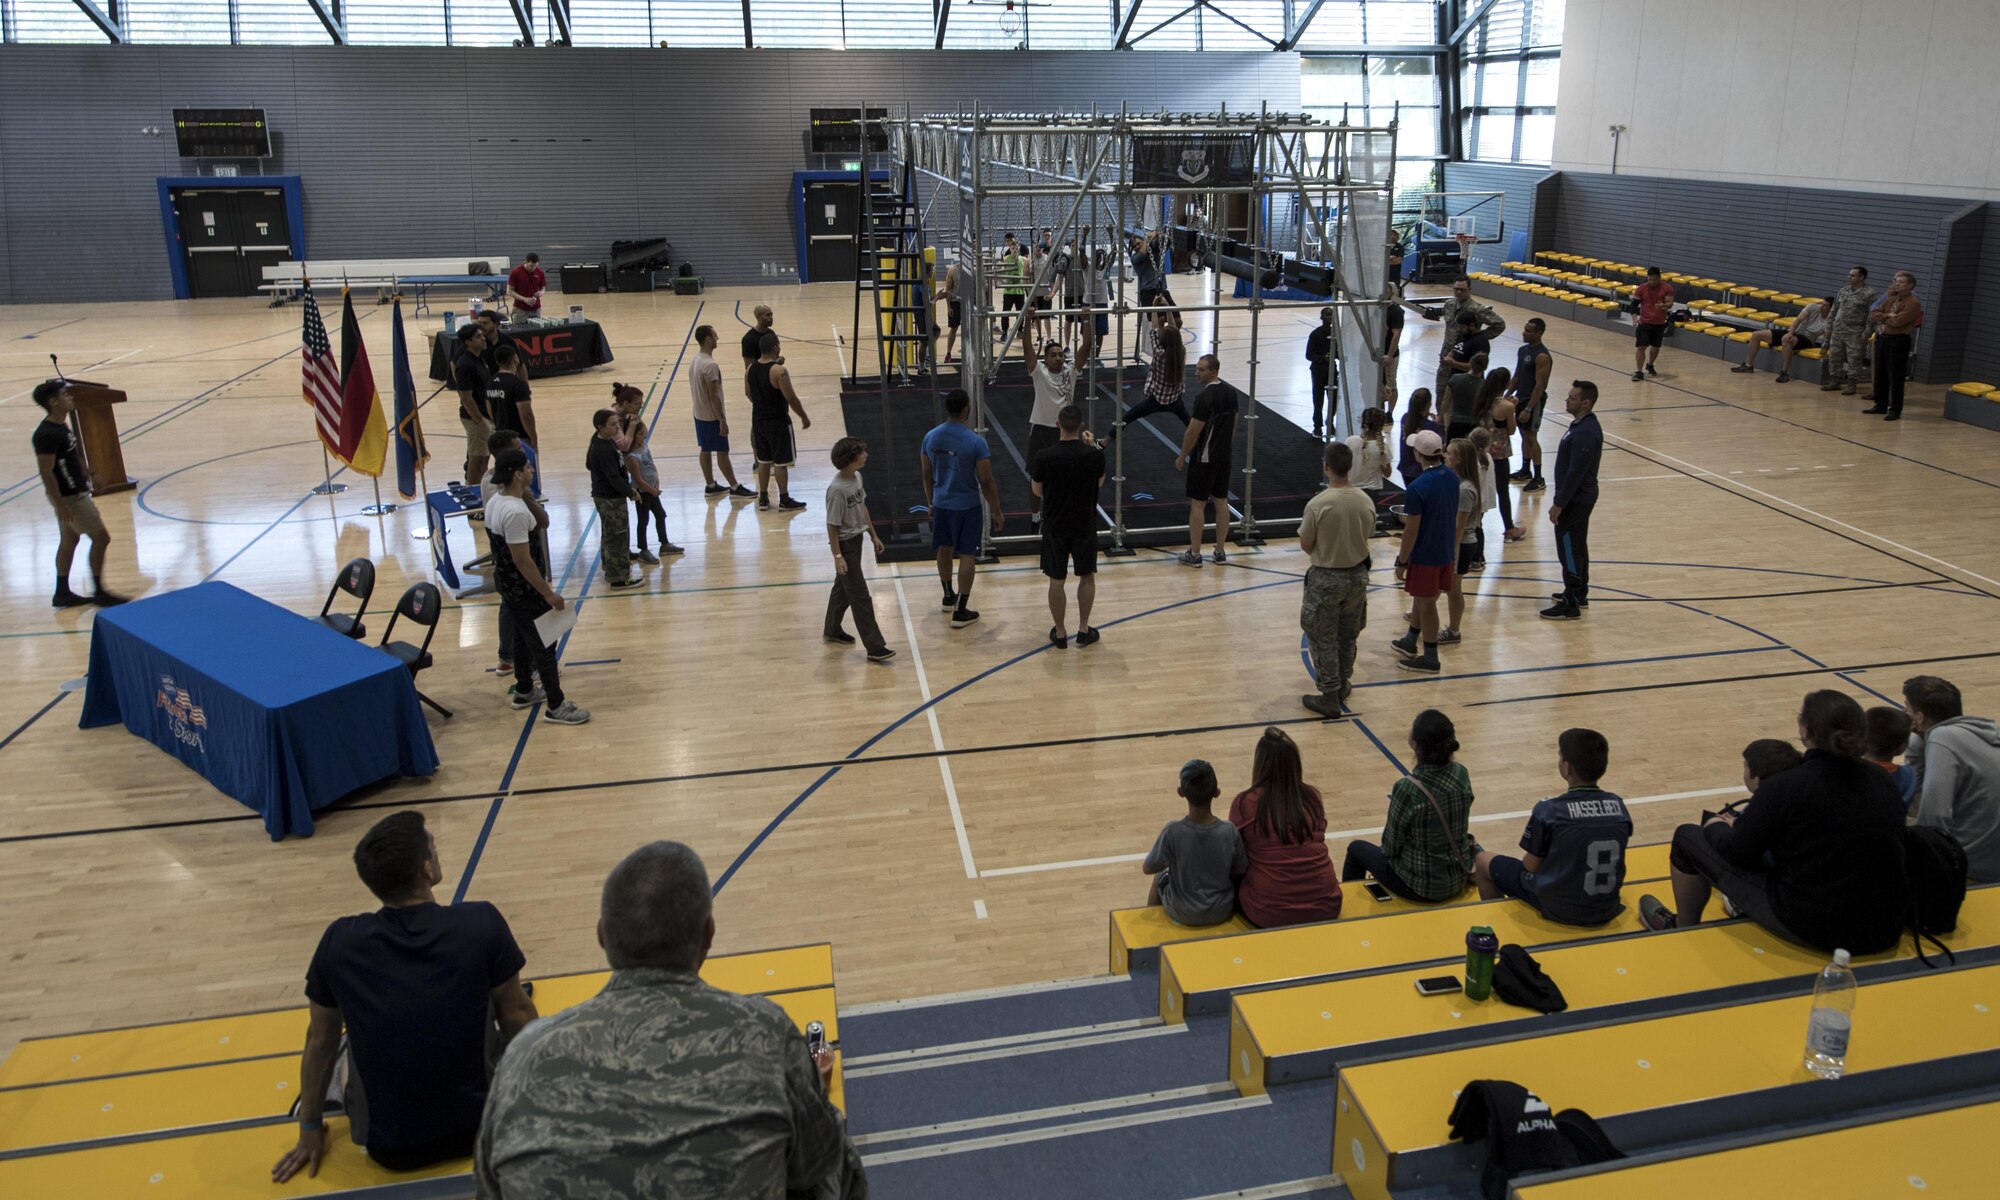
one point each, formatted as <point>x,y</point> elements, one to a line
<point>357,579</point>
<point>422,604</point>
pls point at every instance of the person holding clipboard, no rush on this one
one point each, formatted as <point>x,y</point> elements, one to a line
<point>539,615</point>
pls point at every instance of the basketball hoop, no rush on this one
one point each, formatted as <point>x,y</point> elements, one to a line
<point>1466,241</point>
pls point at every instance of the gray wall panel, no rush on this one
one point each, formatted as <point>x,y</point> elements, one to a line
<point>1518,184</point>
<point>1979,356</point>
<point>427,151</point>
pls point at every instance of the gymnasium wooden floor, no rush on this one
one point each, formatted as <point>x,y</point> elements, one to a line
<point>965,817</point>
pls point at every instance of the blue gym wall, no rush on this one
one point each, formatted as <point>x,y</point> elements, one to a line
<point>418,151</point>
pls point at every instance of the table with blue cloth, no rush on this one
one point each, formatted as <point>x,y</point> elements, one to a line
<point>271,707</point>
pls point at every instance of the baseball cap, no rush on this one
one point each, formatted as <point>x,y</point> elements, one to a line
<point>1426,443</point>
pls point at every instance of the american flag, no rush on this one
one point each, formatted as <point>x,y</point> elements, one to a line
<point>322,376</point>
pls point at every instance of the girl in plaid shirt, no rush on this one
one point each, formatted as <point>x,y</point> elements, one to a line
<point>1165,380</point>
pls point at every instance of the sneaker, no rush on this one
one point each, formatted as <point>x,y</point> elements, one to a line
<point>630,581</point>
<point>566,713</point>
<point>1729,908</point>
<point>1745,369</point>
<point>68,599</point>
<point>1423,665</point>
<point>840,636</point>
<point>1522,476</point>
<point>506,667</point>
<point>670,548</point>
<point>1536,485</point>
<point>763,504</point>
<point>883,655</point>
<point>1060,640</point>
<point>1221,555</point>
<point>1189,558</point>
<point>1407,644</point>
<point>648,557</point>
<point>1784,377</point>
<point>1087,637</point>
<point>1638,376</point>
<point>1474,568</point>
<point>104,599</point>
<point>1325,706</point>
<point>1447,637</point>
<point>1559,597</point>
<point>1562,612</point>
<point>715,489</point>
<point>1650,370</point>
<point>1655,915</point>
<point>962,616</point>
<point>950,600</point>
<point>516,699</point>
<point>1516,534</point>
<point>739,492</point>
<point>787,504</point>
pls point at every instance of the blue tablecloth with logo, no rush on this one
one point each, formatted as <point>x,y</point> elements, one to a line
<point>273,708</point>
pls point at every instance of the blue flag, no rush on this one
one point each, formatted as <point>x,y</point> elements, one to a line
<point>410,451</point>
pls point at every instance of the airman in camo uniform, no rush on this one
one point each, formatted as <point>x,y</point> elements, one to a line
<point>1841,365</point>
<point>1489,323</point>
<point>662,1086</point>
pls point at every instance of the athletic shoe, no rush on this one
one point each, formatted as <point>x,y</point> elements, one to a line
<point>1516,534</point>
<point>1638,376</point>
<point>883,655</point>
<point>714,489</point>
<point>1407,644</point>
<point>566,713</point>
<point>839,636</point>
<point>962,616</point>
<point>739,492</point>
<point>951,600</point>
<point>1087,637</point>
<point>1784,377</point>
<point>1448,637</point>
<point>104,599</point>
<point>1475,568</point>
<point>1562,612</point>
<point>1745,369</point>
<point>1060,640</point>
<point>763,503</point>
<point>1655,915</point>
<point>68,599</point>
<point>670,548</point>
<point>1325,706</point>
<point>787,504</point>
<point>506,667</point>
<point>516,700</point>
<point>630,581</point>
<point>1559,597</point>
<point>648,557</point>
<point>1424,665</point>
<point>1536,485</point>
<point>1189,558</point>
<point>1221,555</point>
<point>1729,908</point>
<point>1522,476</point>
<point>1650,370</point>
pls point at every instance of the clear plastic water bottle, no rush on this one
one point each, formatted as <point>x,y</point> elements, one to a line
<point>1832,1019</point>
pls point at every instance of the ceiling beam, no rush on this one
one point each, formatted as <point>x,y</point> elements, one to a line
<point>524,17</point>
<point>1121,37</point>
<point>107,23</point>
<point>941,16</point>
<point>1298,30</point>
<point>330,15</point>
<point>1465,27</point>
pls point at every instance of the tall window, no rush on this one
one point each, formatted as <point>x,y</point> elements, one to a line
<point>1374,89</point>
<point>1508,65</point>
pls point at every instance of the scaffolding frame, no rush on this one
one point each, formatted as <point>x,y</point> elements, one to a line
<point>1328,178</point>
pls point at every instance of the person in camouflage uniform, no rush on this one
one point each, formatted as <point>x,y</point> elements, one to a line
<point>662,1086</point>
<point>1841,364</point>
<point>1490,326</point>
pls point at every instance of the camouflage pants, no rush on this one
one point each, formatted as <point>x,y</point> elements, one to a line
<point>1333,614</point>
<point>1841,361</point>
<point>615,537</point>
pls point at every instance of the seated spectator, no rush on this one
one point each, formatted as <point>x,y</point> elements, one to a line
<point>1427,852</point>
<point>1957,760</point>
<point>1807,330</point>
<point>1283,823</point>
<point>1764,758</point>
<point>1575,843</point>
<point>1195,860</point>
<point>1889,736</point>
<point>418,986</point>
<point>661,1085</point>
<point>1815,856</point>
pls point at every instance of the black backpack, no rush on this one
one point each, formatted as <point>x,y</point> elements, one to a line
<point>1936,866</point>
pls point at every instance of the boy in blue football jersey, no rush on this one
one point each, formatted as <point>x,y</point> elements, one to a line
<point>1575,843</point>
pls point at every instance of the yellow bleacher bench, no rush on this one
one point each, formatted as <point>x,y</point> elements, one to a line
<point>1763,315</point>
<point>1743,335</point>
<point>1390,1117</point>
<point>1812,352</point>
<point>1971,388</point>
<point>1721,331</point>
<point>1291,1034</point>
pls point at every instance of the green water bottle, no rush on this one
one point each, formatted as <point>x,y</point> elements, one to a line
<point>1481,945</point>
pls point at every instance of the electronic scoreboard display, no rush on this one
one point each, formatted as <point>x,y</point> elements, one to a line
<point>222,133</point>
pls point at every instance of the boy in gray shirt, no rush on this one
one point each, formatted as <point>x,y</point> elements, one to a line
<point>846,523</point>
<point>1196,860</point>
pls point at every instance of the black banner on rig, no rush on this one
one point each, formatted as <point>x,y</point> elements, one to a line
<point>1194,160</point>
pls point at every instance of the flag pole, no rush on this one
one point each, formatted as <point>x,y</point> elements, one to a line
<point>423,480</point>
<point>329,488</point>
<point>378,508</point>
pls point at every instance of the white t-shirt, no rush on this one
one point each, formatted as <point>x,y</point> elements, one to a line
<point>487,488</point>
<point>1051,393</point>
<point>1488,498</point>
<point>1371,462</point>
<point>509,519</point>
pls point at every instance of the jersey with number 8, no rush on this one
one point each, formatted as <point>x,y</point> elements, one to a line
<point>1580,837</point>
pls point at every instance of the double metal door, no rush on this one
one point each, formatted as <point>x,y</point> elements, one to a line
<point>833,215</point>
<point>229,235</point>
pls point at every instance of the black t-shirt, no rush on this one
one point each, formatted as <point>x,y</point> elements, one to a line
<point>752,348</point>
<point>608,480</point>
<point>1392,320</point>
<point>767,399</point>
<point>413,986</point>
<point>52,437</point>
<point>1069,473</point>
<point>504,397</point>
<point>1319,347</point>
<point>1216,405</point>
<point>491,355</point>
<point>1465,349</point>
<point>474,380</point>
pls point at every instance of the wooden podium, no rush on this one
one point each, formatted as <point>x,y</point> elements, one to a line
<point>97,432</point>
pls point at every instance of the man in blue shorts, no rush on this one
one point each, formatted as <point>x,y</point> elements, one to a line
<point>1574,863</point>
<point>958,470</point>
<point>1429,551</point>
<point>711,424</point>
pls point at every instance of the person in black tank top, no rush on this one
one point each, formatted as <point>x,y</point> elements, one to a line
<point>768,386</point>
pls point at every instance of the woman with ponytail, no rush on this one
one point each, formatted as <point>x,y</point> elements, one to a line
<point>1816,856</point>
<point>1427,852</point>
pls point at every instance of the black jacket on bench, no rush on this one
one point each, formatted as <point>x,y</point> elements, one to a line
<point>1834,830</point>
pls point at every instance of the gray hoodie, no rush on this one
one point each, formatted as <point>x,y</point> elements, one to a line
<point>1958,774</point>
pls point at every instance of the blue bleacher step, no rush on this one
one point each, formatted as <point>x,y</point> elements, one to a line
<point>876,1029</point>
<point>1061,1116</point>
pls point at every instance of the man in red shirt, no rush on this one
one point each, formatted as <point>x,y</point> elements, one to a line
<point>1654,297</point>
<point>525,285</point>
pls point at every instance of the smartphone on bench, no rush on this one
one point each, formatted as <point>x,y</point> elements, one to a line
<point>1438,985</point>
<point>1381,894</point>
